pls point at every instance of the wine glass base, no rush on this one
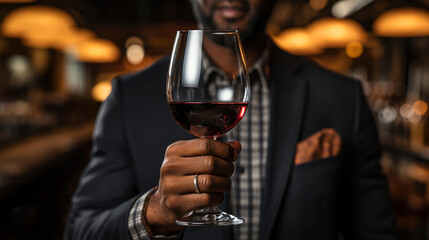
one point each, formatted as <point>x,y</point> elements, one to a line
<point>210,219</point>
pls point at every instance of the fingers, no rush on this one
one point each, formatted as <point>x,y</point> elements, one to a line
<point>200,165</point>
<point>164,209</point>
<point>202,156</point>
<point>176,195</point>
<point>183,204</point>
<point>237,147</point>
<point>203,147</point>
<point>206,184</point>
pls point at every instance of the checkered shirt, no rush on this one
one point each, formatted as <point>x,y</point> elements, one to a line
<point>249,174</point>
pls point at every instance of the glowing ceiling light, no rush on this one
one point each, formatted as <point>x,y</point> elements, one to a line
<point>60,39</point>
<point>337,33</point>
<point>34,19</point>
<point>402,22</point>
<point>74,38</point>
<point>97,51</point>
<point>298,41</point>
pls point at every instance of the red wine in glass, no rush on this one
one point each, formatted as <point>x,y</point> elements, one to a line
<point>208,119</point>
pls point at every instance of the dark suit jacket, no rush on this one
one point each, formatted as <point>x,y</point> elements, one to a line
<point>322,199</point>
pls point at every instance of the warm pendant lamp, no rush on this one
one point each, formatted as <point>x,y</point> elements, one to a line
<point>402,22</point>
<point>35,19</point>
<point>97,51</point>
<point>337,33</point>
<point>298,41</point>
<point>59,39</point>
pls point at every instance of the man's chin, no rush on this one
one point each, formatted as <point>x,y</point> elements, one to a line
<point>244,31</point>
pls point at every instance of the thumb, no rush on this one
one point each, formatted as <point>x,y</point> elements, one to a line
<point>237,147</point>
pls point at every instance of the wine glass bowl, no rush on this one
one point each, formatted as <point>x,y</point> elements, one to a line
<point>208,91</point>
<point>209,120</point>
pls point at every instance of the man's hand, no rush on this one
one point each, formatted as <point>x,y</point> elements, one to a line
<point>176,196</point>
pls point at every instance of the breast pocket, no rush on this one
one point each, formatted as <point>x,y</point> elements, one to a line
<point>325,170</point>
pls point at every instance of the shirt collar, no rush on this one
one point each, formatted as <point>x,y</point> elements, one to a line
<point>260,66</point>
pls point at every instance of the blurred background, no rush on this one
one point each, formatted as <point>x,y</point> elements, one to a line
<point>58,57</point>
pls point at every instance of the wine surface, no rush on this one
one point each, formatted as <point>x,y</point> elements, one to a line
<point>209,120</point>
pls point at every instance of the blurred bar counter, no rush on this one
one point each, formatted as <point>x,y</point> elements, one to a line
<point>38,175</point>
<point>30,157</point>
<point>402,147</point>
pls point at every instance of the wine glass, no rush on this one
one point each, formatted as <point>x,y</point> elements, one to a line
<point>208,91</point>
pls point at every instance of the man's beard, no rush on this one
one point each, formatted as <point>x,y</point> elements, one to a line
<point>254,27</point>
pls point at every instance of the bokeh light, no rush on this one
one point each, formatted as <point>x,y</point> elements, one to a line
<point>298,41</point>
<point>97,51</point>
<point>402,22</point>
<point>354,49</point>
<point>101,91</point>
<point>420,107</point>
<point>135,52</point>
<point>318,5</point>
<point>35,19</point>
<point>387,115</point>
<point>406,110</point>
<point>337,33</point>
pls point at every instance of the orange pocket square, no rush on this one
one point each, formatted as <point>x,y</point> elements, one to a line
<point>323,144</point>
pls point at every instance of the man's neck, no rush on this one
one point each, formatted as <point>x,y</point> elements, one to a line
<point>254,48</point>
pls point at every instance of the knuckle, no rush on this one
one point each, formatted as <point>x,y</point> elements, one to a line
<point>210,163</point>
<point>207,182</point>
<point>171,149</point>
<point>206,145</point>
<point>168,166</point>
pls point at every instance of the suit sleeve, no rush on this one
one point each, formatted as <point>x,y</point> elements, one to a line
<point>107,188</point>
<point>368,210</point>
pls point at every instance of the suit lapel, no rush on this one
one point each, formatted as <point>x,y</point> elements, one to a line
<point>287,103</point>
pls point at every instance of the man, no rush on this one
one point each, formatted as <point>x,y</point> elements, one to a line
<point>309,130</point>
